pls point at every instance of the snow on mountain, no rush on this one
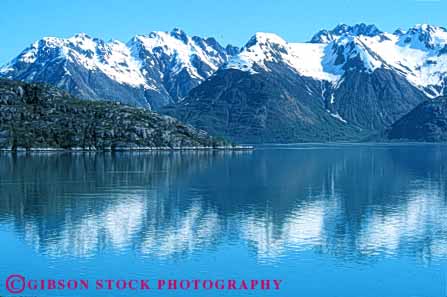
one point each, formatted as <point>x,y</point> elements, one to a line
<point>181,51</point>
<point>418,54</point>
<point>162,67</point>
<point>261,48</point>
<point>113,58</point>
<point>178,61</point>
<point>316,60</point>
<point>305,58</point>
<point>423,36</point>
<point>353,54</point>
<point>158,68</point>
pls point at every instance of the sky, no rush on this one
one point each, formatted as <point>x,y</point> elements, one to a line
<point>229,21</point>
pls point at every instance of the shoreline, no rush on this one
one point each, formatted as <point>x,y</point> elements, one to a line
<point>129,149</point>
<point>204,148</point>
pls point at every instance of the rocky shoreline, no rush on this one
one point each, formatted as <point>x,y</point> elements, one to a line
<point>38,117</point>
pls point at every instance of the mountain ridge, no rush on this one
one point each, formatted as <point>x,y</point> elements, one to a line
<point>419,54</point>
<point>149,70</point>
<point>348,81</point>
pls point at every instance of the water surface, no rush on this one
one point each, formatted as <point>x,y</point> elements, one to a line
<point>329,220</point>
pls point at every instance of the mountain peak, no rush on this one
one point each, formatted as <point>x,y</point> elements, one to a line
<point>359,29</point>
<point>180,35</point>
<point>429,28</point>
<point>424,36</point>
<point>399,32</point>
<point>49,41</point>
<point>263,38</point>
<point>82,35</point>
<point>362,29</point>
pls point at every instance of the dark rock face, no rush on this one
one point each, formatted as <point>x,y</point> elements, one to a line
<point>261,108</point>
<point>375,100</point>
<point>427,122</point>
<point>40,116</point>
<point>325,36</point>
<point>281,106</point>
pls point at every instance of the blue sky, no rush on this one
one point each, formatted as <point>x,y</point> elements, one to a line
<point>24,21</point>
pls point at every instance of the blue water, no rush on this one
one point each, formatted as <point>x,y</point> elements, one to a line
<point>327,220</point>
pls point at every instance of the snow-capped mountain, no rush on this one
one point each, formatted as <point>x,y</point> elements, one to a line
<point>150,70</point>
<point>177,61</point>
<point>362,77</point>
<point>343,82</point>
<point>418,54</point>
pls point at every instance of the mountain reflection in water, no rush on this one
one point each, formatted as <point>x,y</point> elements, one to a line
<point>349,202</point>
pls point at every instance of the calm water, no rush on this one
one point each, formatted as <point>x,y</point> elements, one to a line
<point>329,220</point>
